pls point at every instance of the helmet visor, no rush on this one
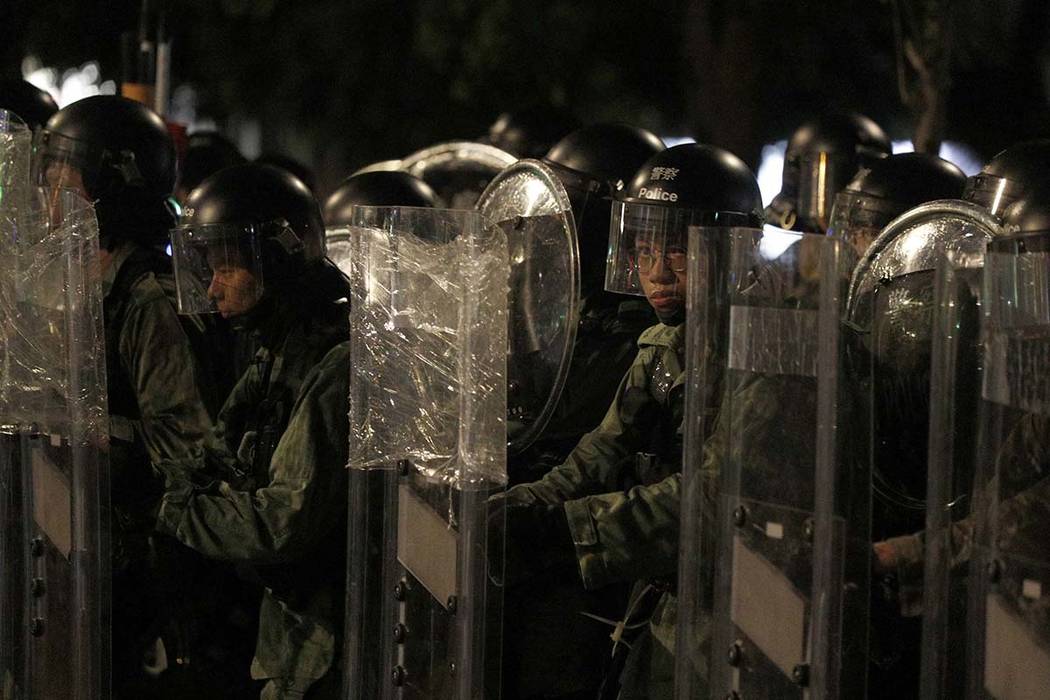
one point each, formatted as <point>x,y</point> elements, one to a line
<point>858,218</point>
<point>63,162</point>
<point>648,246</point>
<point>218,267</point>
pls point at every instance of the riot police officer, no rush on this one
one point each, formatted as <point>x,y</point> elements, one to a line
<point>610,512</point>
<point>269,491</point>
<point>822,156</point>
<point>551,650</point>
<point>592,163</point>
<point>161,383</point>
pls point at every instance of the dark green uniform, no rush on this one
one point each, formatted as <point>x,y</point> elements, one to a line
<point>621,490</point>
<point>157,413</point>
<point>550,649</point>
<point>1026,460</point>
<point>279,502</point>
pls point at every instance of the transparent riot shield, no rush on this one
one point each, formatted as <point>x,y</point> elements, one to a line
<point>955,370</point>
<point>458,171</point>
<point>428,448</point>
<point>529,204</point>
<point>892,304</point>
<point>707,322</point>
<point>56,557</point>
<point>892,307</point>
<point>15,156</point>
<point>1009,579</point>
<point>774,562</point>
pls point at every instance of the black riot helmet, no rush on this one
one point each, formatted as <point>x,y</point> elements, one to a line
<point>250,232</point>
<point>1007,176</point>
<point>887,189</point>
<point>376,189</point>
<point>1030,214</point>
<point>530,132</point>
<point>822,156</point>
<point>118,145</point>
<point>295,167</point>
<point>207,152</point>
<point>119,153</point>
<point>33,105</point>
<point>592,164</point>
<point>687,186</point>
<point>607,152</point>
<point>700,178</point>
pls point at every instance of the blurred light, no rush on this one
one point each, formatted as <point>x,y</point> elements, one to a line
<point>955,152</point>
<point>775,241</point>
<point>71,84</point>
<point>771,170</point>
<point>672,141</point>
<point>535,193</point>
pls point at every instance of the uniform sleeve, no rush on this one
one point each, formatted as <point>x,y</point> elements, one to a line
<point>306,492</point>
<point>1025,455</point>
<point>627,536</point>
<point>160,365</point>
<point>594,464</point>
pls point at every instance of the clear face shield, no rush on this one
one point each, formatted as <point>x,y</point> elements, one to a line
<point>63,162</point>
<point>218,267</point>
<point>648,246</point>
<point>858,218</point>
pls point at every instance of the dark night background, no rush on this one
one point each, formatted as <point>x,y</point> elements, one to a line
<point>342,83</point>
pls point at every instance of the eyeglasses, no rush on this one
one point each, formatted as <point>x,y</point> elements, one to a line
<point>675,260</point>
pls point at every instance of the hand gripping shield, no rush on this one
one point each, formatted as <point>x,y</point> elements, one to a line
<point>458,171</point>
<point>1008,646</point>
<point>774,564</point>
<point>53,475</point>
<point>529,204</point>
<point>428,448</point>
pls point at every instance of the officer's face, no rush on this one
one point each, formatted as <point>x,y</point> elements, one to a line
<point>60,174</point>
<point>661,269</point>
<point>234,287</point>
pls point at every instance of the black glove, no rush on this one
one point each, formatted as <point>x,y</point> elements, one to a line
<point>537,540</point>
